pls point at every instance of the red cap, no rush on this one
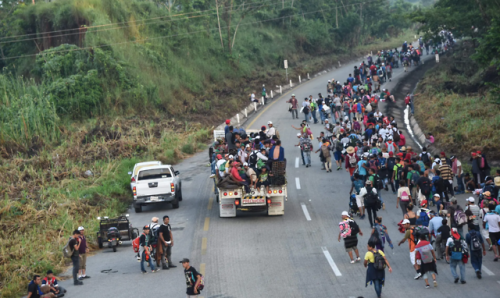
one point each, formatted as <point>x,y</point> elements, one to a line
<point>442,153</point>
<point>474,154</point>
<point>424,202</point>
<point>455,233</point>
<point>228,121</point>
<point>400,154</point>
<point>219,156</point>
<point>478,152</point>
<point>391,153</point>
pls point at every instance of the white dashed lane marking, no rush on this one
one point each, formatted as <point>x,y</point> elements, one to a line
<point>297,182</point>
<point>330,261</point>
<point>296,162</point>
<point>306,213</point>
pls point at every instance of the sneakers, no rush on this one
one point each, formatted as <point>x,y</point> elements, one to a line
<point>172,266</point>
<point>86,276</point>
<point>358,259</point>
<point>362,217</point>
<point>353,261</point>
<point>427,286</point>
<point>78,283</point>
<point>144,272</point>
<point>478,274</point>
<point>418,275</point>
<point>212,176</point>
<point>164,268</point>
<point>456,280</point>
<point>154,270</point>
<point>435,283</point>
<point>463,282</point>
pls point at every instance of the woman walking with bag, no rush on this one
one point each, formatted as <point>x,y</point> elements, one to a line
<point>376,262</point>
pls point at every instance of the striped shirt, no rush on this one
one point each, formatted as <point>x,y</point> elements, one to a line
<point>446,172</point>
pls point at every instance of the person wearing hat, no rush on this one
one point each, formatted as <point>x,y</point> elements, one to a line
<point>351,160</point>
<point>325,153</point>
<point>193,278</point>
<point>454,249</point>
<point>145,243</point>
<point>271,131</point>
<point>50,281</point>
<point>473,213</point>
<point>226,128</point>
<point>82,250</point>
<point>306,146</point>
<point>409,235</point>
<point>446,174</point>
<point>294,103</point>
<point>349,231</point>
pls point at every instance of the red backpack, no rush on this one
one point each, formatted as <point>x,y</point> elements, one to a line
<point>407,100</point>
<point>136,244</point>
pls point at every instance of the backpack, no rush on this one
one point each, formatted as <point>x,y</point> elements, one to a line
<point>395,136</point>
<point>306,147</point>
<point>377,182</point>
<point>426,254</point>
<point>252,160</point>
<point>345,229</point>
<point>68,252</point>
<point>379,263</point>
<point>460,217</point>
<point>391,162</point>
<point>136,244</point>
<point>306,110</point>
<point>456,251</point>
<point>407,100</point>
<point>425,188</point>
<point>399,172</point>
<point>370,198</point>
<point>201,285</point>
<point>405,197</point>
<point>390,147</point>
<point>419,231</point>
<point>326,152</point>
<point>356,126</point>
<point>373,164</point>
<point>475,243</point>
<point>423,219</point>
<point>339,146</point>
<point>414,177</point>
<point>352,160</point>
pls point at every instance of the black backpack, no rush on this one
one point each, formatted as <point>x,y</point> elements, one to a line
<point>425,158</point>
<point>252,161</point>
<point>425,187</point>
<point>339,146</point>
<point>370,198</point>
<point>377,182</point>
<point>391,162</point>
<point>379,263</point>
<point>306,110</point>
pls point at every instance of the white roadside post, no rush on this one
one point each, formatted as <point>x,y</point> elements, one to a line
<point>255,106</point>
<point>300,80</point>
<point>281,90</point>
<point>285,64</point>
<point>272,96</point>
<point>238,118</point>
<point>262,100</point>
<point>291,84</point>
<point>308,76</point>
<point>246,115</point>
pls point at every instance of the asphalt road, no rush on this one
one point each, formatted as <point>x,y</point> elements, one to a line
<point>252,255</point>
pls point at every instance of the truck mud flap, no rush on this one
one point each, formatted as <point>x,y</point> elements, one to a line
<point>227,208</point>
<point>277,206</point>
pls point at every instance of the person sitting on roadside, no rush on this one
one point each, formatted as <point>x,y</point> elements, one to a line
<point>34,290</point>
<point>50,281</point>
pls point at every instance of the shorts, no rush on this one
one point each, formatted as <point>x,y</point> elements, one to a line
<point>429,272</point>
<point>83,261</point>
<point>412,257</point>
<point>495,237</point>
<point>353,248</point>
<point>337,155</point>
<point>360,202</point>
<point>485,234</point>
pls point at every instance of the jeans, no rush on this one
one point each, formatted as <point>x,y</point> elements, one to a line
<point>303,160</point>
<point>396,184</point>
<point>380,196</point>
<point>453,267</point>
<point>460,183</point>
<point>307,117</point>
<point>76,267</point>
<point>307,157</point>
<point>212,167</point>
<point>314,117</point>
<point>143,258</point>
<point>378,287</point>
<point>404,205</point>
<point>322,116</point>
<point>294,111</point>
<point>370,211</point>
<point>389,182</point>
<point>437,246</point>
<point>167,252</point>
<point>476,259</point>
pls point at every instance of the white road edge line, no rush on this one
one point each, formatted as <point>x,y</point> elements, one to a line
<point>488,271</point>
<point>330,261</point>
<point>297,182</point>
<point>306,213</point>
<point>296,162</point>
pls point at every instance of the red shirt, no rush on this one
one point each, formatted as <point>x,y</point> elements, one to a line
<point>235,174</point>
<point>402,140</point>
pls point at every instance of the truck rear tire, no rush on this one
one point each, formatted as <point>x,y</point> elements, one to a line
<point>175,203</point>
<point>180,192</point>
<point>138,208</point>
<point>99,241</point>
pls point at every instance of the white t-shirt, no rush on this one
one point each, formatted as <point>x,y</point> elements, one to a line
<point>493,221</point>
<point>459,164</point>
<point>408,193</point>
<point>218,164</point>
<point>252,97</point>
<point>377,115</point>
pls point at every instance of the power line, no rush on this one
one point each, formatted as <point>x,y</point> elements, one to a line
<point>251,5</point>
<point>183,34</point>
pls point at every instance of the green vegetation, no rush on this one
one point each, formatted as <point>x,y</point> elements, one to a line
<point>462,90</point>
<point>100,85</point>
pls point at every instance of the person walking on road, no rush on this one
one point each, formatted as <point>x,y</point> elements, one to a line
<point>404,197</point>
<point>325,151</point>
<point>74,245</point>
<point>349,231</point>
<point>82,251</point>
<point>145,243</point>
<point>426,260</point>
<point>380,232</point>
<point>476,248</point>
<point>409,235</point>
<point>193,279</point>
<point>167,242</point>
<point>370,196</point>
<point>491,221</point>
<point>456,250</point>
<point>306,147</point>
<point>294,103</point>
<point>375,262</point>
<point>435,223</point>
<point>357,185</point>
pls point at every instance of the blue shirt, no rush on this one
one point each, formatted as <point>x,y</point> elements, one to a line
<point>358,185</point>
<point>435,223</point>
<point>362,171</point>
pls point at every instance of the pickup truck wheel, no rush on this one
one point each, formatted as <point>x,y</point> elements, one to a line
<point>99,241</point>
<point>217,197</point>
<point>180,193</point>
<point>175,203</point>
<point>138,209</point>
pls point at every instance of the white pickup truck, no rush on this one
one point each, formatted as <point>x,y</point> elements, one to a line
<point>157,184</point>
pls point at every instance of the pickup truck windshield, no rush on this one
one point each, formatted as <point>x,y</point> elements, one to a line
<point>154,174</point>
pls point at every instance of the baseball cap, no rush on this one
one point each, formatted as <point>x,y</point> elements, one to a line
<point>299,134</point>
<point>219,156</point>
<point>185,260</point>
<point>245,164</point>
<point>228,121</point>
<point>345,213</point>
<point>81,228</point>
<point>247,146</point>
<point>391,153</point>
<point>437,195</point>
<point>452,157</point>
<point>424,202</point>
<point>293,95</point>
<point>453,200</point>
<point>231,157</point>
<point>470,199</point>
<point>405,221</point>
<point>269,122</point>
